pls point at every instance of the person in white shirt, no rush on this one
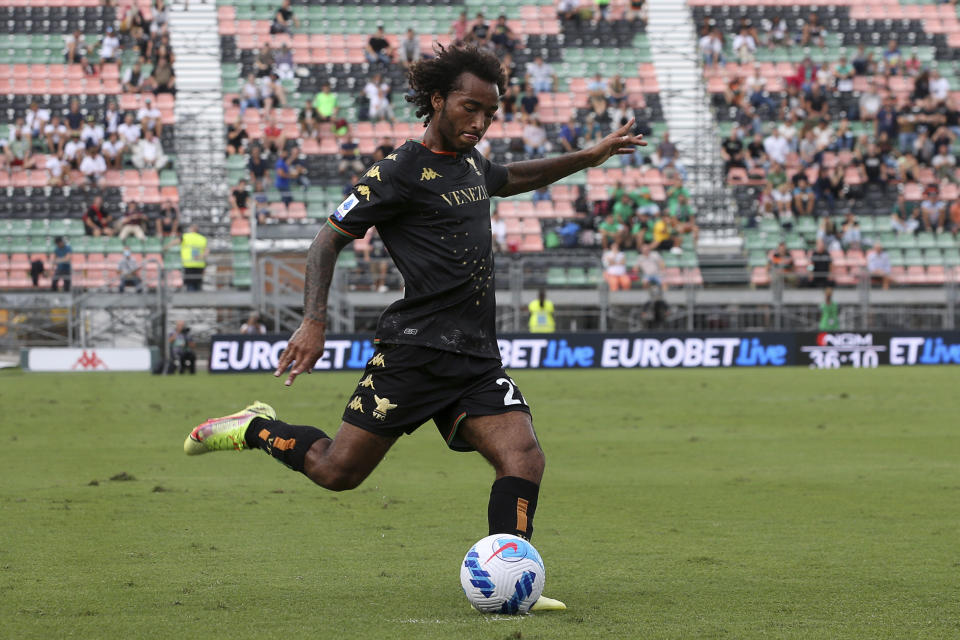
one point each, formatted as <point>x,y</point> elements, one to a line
<point>540,75</point>
<point>711,48</point>
<point>744,45</point>
<point>534,138</point>
<point>112,150</point>
<point>93,166</point>
<point>92,133</point>
<point>73,150</point>
<point>615,268</point>
<point>74,47</point>
<point>409,49</point>
<point>498,229</point>
<point>377,92</point>
<point>148,154</point>
<point>36,119</point>
<point>250,94</point>
<point>109,45</point>
<point>149,117</point>
<point>129,131</point>
<point>776,147</point>
<point>56,134</point>
<point>939,86</point>
<point>58,170</point>
<point>111,118</point>
<point>651,265</point>
<point>253,325</point>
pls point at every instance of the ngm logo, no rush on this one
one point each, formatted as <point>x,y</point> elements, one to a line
<point>845,339</point>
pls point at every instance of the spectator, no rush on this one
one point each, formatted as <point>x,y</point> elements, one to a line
<point>852,236</point>
<point>163,79</point>
<point>829,185</point>
<point>820,262</point>
<point>783,203</point>
<point>534,138</point>
<point>503,38</point>
<point>813,33</point>
<point>55,135</point>
<point>109,46</point>
<point>541,314</point>
<point>128,271</point>
<point>731,150</point>
<point>667,152</point>
<point>872,166</point>
<point>460,27</point>
<point>878,265</point>
<point>570,134</point>
<point>182,348</point>
<point>611,231</point>
<point>167,222</point>
<point>528,103</point>
<point>617,91</point>
<point>373,255</point>
<point>843,73</point>
<point>62,269</point>
<point>869,103</point>
<point>325,102</point>
<point>239,199</point>
<point>603,8</point>
<point>540,75</point>
<point>944,164</point>
<point>409,49</point>
<point>803,196</point>
<point>663,237</point>
<point>281,177</point>
<point>193,257</point>
<point>598,89</point>
<point>933,210</point>
<point>283,65</point>
<point>148,154</point>
<point>74,117</point>
<point>683,216</point>
<point>377,92</point>
<point>284,20</point>
<point>756,156</point>
<point>624,208</point>
<point>953,218</point>
<point>745,45</point>
<point>258,169</point>
<point>498,230</point>
<point>133,78</point>
<point>58,170</point>
<point>250,94</point>
<point>93,166</point>
<point>273,138</point>
<point>96,221</point>
<point>92,133</point>
<point>904,219</point>
<point>349,155</point>
<point>384,149</point>
<point>263,62</point>
<point>649,268</point>
<point>129,131</point>
<point>19,150</point>
<point>781,262</point>
<point>480,31</point>
<point>892,59</point>
<point>378,49</point>
<point>272,92</point>
<point>939,86</point>
<point>74,150</point>
<point>711,48</point>
<point>74,47</point>
<point>35,120</point>
<point>253,326</point>
<point>615,269</point>
<point>132,223</point>
<point>569,10</point>
<point>776,147</point>
<point>829,312</point>
<point>236,136</point>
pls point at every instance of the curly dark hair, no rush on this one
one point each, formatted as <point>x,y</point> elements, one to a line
<point>440,74</point>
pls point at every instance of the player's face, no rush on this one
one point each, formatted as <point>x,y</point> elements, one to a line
<point>466,113</point>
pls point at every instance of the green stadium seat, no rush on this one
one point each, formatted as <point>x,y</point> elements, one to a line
<point>557,277</point>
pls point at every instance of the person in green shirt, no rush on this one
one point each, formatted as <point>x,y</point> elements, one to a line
<point>642,231</point>
<point>541,314</point>
<point>776,175</point>
<point>610,231</point>
<point>325,102</point>
<point>623,208</point>
<point>829,312</point>
<point>683,215</point>
<point>645,203</point>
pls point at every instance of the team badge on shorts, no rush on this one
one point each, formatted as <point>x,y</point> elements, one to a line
<point>383,405</point>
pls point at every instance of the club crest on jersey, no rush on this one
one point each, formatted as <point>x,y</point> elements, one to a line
<point>374,172</point>
<point>473,163</point>
<point>364,190</point>
<point>429,174</point>
<point>383,405</point>
<point>345,207</point>
<point>356,404</point>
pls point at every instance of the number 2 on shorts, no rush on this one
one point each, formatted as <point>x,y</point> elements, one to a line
<point>509,397</point>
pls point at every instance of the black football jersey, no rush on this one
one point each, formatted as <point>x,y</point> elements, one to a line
<point>432,210</point>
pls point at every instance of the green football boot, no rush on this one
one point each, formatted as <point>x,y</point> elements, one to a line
<point>226,433</point>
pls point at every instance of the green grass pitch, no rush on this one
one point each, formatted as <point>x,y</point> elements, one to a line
<point>676,504</point>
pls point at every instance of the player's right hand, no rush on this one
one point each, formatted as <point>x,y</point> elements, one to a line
<point>303,350</point>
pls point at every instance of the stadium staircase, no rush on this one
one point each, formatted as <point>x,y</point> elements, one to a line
<point>200,117</point>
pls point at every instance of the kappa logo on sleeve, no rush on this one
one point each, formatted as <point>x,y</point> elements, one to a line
<point>345,207</point>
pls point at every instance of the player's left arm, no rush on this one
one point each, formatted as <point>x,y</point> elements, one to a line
<point>528,175</point>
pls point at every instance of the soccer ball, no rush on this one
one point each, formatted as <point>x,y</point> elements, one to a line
<point>502,573</point>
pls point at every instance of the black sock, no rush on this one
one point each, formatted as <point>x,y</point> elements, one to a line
<point>513,501</point>
<point>288,443</point>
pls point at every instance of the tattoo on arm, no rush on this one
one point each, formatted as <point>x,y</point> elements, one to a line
<point>321,260</point>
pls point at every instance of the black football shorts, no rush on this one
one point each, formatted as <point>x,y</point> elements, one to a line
<point>403,386</point>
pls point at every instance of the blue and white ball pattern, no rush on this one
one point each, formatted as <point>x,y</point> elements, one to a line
<point>502,573</point>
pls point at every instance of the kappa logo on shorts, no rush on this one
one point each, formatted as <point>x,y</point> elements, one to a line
<point>429,174</point>
<point>345,207</point>
<point>368,382</point>
<point>356,404</point>
<point>377,361</point>
<point>473,163</point>
<point>374,172</point>
<point>364,190</point>
<point>383,405</point>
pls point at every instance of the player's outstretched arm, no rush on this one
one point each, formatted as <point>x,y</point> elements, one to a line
<point>306,344</point>
<point>528,175</point>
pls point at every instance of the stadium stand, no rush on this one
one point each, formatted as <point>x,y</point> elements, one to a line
<point>865,92</point>
<point>69,57</point>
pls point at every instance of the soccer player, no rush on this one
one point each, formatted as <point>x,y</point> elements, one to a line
<point>437,355</point>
